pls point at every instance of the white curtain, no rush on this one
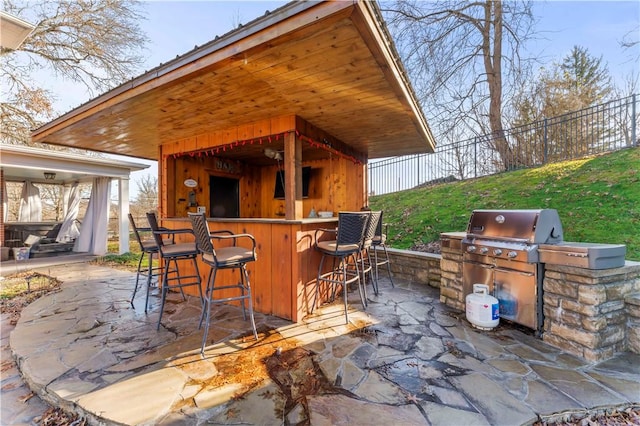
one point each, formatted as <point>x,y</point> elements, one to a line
<point>30,204</point>
<point>5,206</point>
<point>93,232</point>
<point>71,202</point>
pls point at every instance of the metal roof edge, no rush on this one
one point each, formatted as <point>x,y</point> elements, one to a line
<point>372,8</point>
<point>10,153</point>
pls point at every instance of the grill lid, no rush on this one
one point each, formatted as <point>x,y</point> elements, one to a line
<point>529,226</point>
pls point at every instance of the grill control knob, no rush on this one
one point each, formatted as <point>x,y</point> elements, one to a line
<point>497,252</point>
<point>484,250</point>
<point>512,254</point>
<point>471,249</point>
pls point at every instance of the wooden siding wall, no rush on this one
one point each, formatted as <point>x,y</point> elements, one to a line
<point>336,183</point>
<point>176,165</point>
<point>333,186</point>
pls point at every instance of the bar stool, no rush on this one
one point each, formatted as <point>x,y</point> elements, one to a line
<point>379,243</point>
<point>366,262</point>
<point>170,254</point>
<point>230,257</point>
<point>148,248</point>
<point>344,252</point>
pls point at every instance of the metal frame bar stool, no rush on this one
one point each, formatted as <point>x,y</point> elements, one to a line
<point>379,243</point>
<point>148,248</point>
<point>170,254</point>
<point>229,257</point>
<point>344,252</point>
<point>366,262</point>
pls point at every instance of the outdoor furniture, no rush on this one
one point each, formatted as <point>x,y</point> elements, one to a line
<point>380,247</point>
<point>231,257</point>
<point>366,262</point>
<point>344,253</point>
<point>170,254</point>
<point>148,247</point>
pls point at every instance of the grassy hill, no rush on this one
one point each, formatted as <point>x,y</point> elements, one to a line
<point>597,198</point>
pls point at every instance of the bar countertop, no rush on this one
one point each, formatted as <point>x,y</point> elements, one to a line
<point>308,220</point>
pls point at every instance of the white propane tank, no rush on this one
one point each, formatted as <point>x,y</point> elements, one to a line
<point>483,310</point>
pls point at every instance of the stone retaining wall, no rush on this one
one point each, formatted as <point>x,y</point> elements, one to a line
<point>585,311</point>
<point>414,267</point>
<point>632,302</point>
<point>451,293</point>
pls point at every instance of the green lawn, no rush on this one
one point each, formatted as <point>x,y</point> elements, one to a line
<point>597,198</point>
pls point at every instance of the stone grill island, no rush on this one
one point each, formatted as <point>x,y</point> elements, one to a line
<point>592,313</point>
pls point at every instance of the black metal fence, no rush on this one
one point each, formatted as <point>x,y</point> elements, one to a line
<point>598,129</point>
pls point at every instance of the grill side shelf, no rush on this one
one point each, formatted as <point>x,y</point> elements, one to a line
<point>583,255</point>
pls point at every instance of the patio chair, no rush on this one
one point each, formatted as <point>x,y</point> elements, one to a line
<point>148,247</point>
<point>170,254</point>
<point>344,252</point>
<point>366,262</point>
<point>380,247</point>
<point>232,256</point>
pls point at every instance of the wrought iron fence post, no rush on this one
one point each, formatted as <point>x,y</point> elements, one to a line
<point>634,121</point>
<point>475,156</point>
<point>544,142</point>
<point>418,168</point>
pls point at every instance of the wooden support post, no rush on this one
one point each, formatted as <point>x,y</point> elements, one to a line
<point>293,177</point>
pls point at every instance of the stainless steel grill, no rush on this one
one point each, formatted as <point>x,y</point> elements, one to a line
<point>501,250</point>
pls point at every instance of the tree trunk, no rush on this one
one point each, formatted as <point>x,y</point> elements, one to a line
<point>492,53</point>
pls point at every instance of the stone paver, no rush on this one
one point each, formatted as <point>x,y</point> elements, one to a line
<point>18,406</point>
<point>587,392</point>
<point>407,359</point>
<point>496,404</point>
<point>340,410</point>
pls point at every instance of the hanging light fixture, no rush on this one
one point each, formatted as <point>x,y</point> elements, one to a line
<point>49,175</point>
<point>273,154</point>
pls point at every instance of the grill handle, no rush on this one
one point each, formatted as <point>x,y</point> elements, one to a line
<point>582,255</point>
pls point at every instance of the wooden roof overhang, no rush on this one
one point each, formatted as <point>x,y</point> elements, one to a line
<point>331,63</point>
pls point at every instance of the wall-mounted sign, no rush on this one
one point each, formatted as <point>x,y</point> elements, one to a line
<point>190,183</point>
<point>227,166</point>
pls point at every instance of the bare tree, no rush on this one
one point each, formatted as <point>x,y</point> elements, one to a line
<point>630,42</point>
<point>13,194</point>
<point>147,198</point>
<point>461,55</point>
<point>52,197</point>
<point>92,42</point>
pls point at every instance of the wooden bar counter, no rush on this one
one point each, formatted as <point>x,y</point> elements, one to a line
<point>283,276</point>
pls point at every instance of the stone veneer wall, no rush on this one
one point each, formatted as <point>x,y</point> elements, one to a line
<point>584,309</point>
<point>451,293</point>
<point>632,302</point>
<point>414,267</point>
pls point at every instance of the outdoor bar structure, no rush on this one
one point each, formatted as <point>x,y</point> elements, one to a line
<point>264,128</point>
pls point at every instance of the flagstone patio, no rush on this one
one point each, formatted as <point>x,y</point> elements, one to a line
<point>407,359</point>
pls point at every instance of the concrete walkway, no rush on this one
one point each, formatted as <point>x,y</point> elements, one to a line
<point>406,360</point>
<point>42,264</point>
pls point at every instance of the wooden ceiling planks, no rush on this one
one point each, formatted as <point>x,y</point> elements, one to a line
<point>325,64</point>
